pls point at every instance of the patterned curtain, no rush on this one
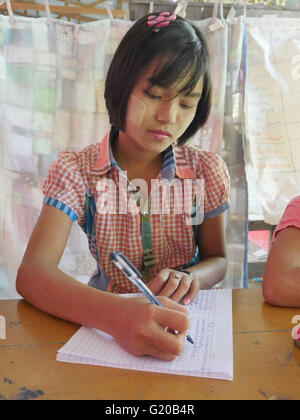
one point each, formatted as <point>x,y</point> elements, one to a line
<point>51,98</point>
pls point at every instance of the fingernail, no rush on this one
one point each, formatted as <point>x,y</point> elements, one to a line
<point>187,301</point>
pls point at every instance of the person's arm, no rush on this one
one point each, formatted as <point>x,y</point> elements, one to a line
<point>210,270</point>
<point>137,325</point>
<point>212,249</point>
<point>281,283</point>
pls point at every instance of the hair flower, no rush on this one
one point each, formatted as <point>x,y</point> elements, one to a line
<point>159,21</point>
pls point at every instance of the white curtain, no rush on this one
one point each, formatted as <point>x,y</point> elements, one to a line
<point>272,115</point>
<point>210,137</point>
<point>224,132</point>
<point>51,98</point>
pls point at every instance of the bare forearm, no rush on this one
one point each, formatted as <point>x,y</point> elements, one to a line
<point>282,289</point>
<point>52,291</point>
<point>136,325</point>
<point>210,271</point>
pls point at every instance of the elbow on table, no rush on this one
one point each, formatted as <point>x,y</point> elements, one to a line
<point>23,280</point>
<point>20,281</point>
<point>269,293</point>
<point>274,289</point>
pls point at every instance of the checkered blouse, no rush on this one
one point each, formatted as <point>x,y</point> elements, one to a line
<point>187,173</point>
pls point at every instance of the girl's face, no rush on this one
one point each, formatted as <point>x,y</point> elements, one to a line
<point>157,116</point>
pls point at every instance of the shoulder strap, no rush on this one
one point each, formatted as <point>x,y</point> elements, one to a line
<point>89,227</point>
<point>148,257</point>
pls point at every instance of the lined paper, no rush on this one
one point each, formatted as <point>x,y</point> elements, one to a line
<point>211,355</point>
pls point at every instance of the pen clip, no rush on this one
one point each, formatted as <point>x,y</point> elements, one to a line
<point>126,260</point>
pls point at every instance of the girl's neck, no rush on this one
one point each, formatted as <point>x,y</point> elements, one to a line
<point>129,155</point>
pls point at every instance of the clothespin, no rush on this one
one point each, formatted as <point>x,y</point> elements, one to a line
<point>231,15</point>
<point>217,23</point>
<point>48,12</point>
<point>12,19</point>
<point>109,12</point>
<point>245,7</point>
<point>181,8</point>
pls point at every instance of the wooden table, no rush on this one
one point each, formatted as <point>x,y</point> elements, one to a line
<point>266,362</point>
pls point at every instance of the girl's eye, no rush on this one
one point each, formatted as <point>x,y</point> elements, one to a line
<point>150,95</point>
<point>184,106</point>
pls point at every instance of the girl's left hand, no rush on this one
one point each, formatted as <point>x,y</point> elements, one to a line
<point>175,285</point>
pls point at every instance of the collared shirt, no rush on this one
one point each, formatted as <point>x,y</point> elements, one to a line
<point>187,172</point>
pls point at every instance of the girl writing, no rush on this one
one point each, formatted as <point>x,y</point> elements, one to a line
<point>158,94</point>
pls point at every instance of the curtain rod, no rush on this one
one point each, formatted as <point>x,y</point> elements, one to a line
<point>64,10</point>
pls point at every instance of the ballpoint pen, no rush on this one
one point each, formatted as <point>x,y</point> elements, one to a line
<point>133,274</point>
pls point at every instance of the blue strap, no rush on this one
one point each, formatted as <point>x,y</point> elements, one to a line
<point>148,257</point>
<point>89,226</point>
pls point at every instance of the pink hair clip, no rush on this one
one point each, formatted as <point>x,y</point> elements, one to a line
<point>162,20</point>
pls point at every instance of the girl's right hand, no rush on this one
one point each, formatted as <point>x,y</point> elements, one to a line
<point>143,328</point>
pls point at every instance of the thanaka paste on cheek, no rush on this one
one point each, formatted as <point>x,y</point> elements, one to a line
<point>136,111</point>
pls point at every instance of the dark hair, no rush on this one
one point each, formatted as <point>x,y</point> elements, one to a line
<point>185,57</point>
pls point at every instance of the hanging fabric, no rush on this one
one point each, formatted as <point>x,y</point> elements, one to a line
<point>272,114</point>
<point>210,137</point>
<point>52,76</point>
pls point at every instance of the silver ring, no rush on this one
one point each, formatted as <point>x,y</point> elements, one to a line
<point>177,276</point>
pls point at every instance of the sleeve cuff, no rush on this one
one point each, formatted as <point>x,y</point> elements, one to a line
<point>61,206</point>
<point>283,226</point>
<point>217,211</point>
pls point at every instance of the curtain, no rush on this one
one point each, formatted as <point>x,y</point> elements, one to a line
<point>272,109</point>
<point>224,133</point>
<point>210,137</point>
<point>51,98</point>
<point>233,153</point>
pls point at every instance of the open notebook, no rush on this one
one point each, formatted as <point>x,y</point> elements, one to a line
<point>210,356</point>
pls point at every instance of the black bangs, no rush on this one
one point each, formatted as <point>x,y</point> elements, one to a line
<point>183,57</point>
<point>182,70</point>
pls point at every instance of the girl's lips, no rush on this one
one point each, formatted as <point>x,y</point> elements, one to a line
<point>160,135</point>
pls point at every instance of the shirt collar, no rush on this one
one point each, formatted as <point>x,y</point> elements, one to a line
<point>174,160</point>
<point>105,159</point>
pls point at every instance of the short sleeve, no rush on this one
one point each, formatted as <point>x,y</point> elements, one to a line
<point>64,188</point>
<point>217,185</point>
<point>290,218</point>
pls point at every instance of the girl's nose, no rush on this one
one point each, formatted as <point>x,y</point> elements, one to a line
<point>167,112</point>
